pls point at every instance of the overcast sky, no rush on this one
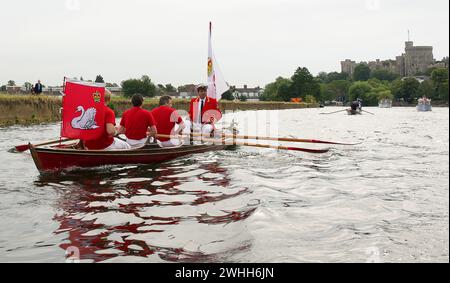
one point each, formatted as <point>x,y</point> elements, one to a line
<point>254,41</point>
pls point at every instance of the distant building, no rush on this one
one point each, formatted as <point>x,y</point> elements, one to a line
<point>415,60</point>
<point>348,66</point>
<point>13,89</point>
<point>250,93</point>
<point>187,91</point>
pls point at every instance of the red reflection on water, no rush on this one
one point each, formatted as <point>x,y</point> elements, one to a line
<point>85,198</point>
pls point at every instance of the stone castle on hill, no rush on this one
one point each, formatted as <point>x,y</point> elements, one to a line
<point>415,60</point>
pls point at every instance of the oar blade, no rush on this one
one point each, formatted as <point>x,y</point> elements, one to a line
<point>335,143</point>
<point>309,150</point>
<point>22,148</point>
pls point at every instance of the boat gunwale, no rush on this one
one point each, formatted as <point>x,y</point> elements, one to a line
<point>133,152</point>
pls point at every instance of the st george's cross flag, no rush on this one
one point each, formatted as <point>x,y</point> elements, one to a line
<point>83,110</point>
<point>216,83</point>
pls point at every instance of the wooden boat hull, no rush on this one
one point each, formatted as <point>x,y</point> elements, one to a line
<point>58,159</point>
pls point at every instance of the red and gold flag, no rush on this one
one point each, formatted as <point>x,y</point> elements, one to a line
<point>83,110</point>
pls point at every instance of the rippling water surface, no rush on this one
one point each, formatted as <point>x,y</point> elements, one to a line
<point>384,200</point>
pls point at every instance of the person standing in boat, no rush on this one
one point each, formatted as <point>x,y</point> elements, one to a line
<point>136,122</point>
<point>107,141</point>
<point>204,112</point>
<point>168,122</point>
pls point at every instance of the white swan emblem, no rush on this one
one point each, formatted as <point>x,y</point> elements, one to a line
<point>86,121</point>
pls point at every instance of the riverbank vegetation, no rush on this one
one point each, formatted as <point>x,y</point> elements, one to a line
<point>371,86</point>
<point>30,109</point>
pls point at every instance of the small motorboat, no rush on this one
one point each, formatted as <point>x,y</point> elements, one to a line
<point>385,103</point>
<point>424,105</point>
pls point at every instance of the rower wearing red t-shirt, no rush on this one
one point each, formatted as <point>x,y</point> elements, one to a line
<point>166,120</point>
<point>107,141</point>
<point>136,122</point>
<point>204,112</point>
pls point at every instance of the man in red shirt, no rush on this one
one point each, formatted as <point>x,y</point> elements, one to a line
<point>204,112</point>
<point>136,122</point>
<point>168,122</point>
<point>107,141</point>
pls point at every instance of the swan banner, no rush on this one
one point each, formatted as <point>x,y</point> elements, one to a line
<point>216,83</point>
<point>83,110</point>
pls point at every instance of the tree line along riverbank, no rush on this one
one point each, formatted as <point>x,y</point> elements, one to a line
<point>27,109</point>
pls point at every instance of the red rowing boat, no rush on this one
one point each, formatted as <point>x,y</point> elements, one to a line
<point>67,156</point>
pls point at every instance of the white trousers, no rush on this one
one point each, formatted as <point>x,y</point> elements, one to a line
<point>205,129</point>
<point>136,143</point>
<point>170,143</point>
<point>118,145</point>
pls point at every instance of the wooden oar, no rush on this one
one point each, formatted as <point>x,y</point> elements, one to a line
<point>25,147</point>
<point>216,141</point>
<point>368,112</point>
<point>333,112</point>
<point>279,139</point>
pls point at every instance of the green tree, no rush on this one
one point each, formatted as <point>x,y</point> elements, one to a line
<point>361,73</point>
<point>275,91</point>
<point>143,86</point>
<point>228,95</point>
<point>384,75</point>
<point>99,79</point>
<point>303,84</point>
<point>28,86</point>
<point>335,90</point>
<point>406,89</point>
<point>440,81</point>
<point>364,91</point>
<point>310,99</point>
<point>11,83</point>
<point>426,88</point>
<point>335,76</point>
<point>170,88</point>
<point>439,75</point>
<point>385,94</point>
<point>3,88</point>
<point>409,89</point>
<point>323,77</point>
<point>243,98</point>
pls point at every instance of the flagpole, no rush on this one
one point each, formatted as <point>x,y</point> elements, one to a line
<point>61,110</point>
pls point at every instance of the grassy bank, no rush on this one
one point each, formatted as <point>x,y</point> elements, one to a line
<point>27,109</point>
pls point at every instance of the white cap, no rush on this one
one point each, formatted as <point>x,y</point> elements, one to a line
<point>201,86</point>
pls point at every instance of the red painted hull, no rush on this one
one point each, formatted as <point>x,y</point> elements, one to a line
<point>54,159</point>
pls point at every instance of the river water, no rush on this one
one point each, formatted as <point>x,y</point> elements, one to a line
<point>385,200</point>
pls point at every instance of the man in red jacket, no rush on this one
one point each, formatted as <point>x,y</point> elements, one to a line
<point>204,112</point>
